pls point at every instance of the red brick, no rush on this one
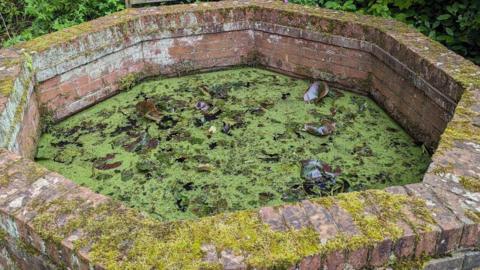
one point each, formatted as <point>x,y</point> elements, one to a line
<point>273,218</point>
<point>343,220</point>
<point>321,220</point>
<point>358,258</point>
<point>451,228</point>
<point>49,84</point>
<point>309,263</point>
<point>335,260</point>
<point>459,206</point>
<point>380,253</point>
<point>294,216</point>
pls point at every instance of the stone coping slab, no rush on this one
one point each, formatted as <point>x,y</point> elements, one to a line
<point>432,92</point>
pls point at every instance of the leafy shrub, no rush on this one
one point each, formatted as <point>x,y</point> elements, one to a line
<point>12,20</point>
<point>39,17</point>
<point>454,23</point>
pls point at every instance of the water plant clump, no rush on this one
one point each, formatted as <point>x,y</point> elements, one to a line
<point>203,144</point>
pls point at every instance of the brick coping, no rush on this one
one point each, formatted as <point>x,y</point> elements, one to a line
<point>74,227</point>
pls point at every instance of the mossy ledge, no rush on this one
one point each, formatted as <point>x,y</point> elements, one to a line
<point>461,128</point>
<point>470,183</point>
<point>121,238</point>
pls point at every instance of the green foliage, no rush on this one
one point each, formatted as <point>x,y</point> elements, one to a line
<point>32,18</point>
<point>12,20</point>
<point>127,82</point>
<point>456,24</point>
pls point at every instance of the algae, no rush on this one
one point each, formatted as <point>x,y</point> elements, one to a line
<point>242,151</point>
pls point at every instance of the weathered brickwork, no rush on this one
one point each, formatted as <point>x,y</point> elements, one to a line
<point>47,221</point>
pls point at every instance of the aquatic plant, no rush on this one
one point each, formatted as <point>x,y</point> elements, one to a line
<point>198,145</point>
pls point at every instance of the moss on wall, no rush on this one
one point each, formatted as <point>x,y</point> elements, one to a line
<point>122,238</point>
<point>470,183</point>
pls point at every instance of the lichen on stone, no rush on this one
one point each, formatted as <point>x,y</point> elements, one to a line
<point>6,86</point>
<point>470,183</point>
<point>473,215</point>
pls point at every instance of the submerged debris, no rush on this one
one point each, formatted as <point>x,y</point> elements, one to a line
<point>226,128</point>
<point>316,92</point>
<point>318,174</point>
<point>320,130</point>
<point>202,106</point>
<point>102,163</point>
<point>206,167</point>
<point>212,130</point>
<point>148,110</point>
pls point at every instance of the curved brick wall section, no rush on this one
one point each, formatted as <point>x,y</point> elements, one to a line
<point>418,81</point>
<point>19,115</point>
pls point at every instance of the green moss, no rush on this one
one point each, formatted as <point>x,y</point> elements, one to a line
<point>30,171</point>
<point>122,238</point>
<point>461,128</point>
<point>126,83</point>
<point>4,180</point>
<point>470,183</point>
<point>409,264</point>
<point>473,215</point>
<point>377,212</point>
<point>326,202</point>
<point>373,228</point>
<point>3,237</point>
<point>25,247</point>
<point>21,107</point>
<point>47,118</point>
<point>442,170</point>
<point>6,86</point>
<point>61,208</point>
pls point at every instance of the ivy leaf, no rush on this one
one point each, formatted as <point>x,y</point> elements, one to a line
<point>449,31</point>
<point>332,5</point>
<point>444,17</point>
<point>452,9</point>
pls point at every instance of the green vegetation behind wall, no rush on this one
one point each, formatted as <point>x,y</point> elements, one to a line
<point>454,23</point>
<point>24,20</point>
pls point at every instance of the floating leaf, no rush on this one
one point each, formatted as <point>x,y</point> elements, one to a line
<point>205,167</point>
<point>320,130</point>
<point>269,157</point>
<point>444,17</point>
<point>317,174</point>
<point>167,122</point>
<point>126,175</point>
<point>108,166</point>
<point>212,130</point>
<point>148,110</point>
<point>226,128</point>
<point>145,165</point>
<point>316,92</point>
<point>202,106</point>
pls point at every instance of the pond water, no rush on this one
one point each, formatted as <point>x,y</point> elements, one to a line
<point>197,145</point>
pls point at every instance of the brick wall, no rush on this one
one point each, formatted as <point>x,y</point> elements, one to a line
<point>418,81</point>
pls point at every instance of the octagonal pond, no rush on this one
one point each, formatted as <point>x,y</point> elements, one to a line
<point>192,146</point>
